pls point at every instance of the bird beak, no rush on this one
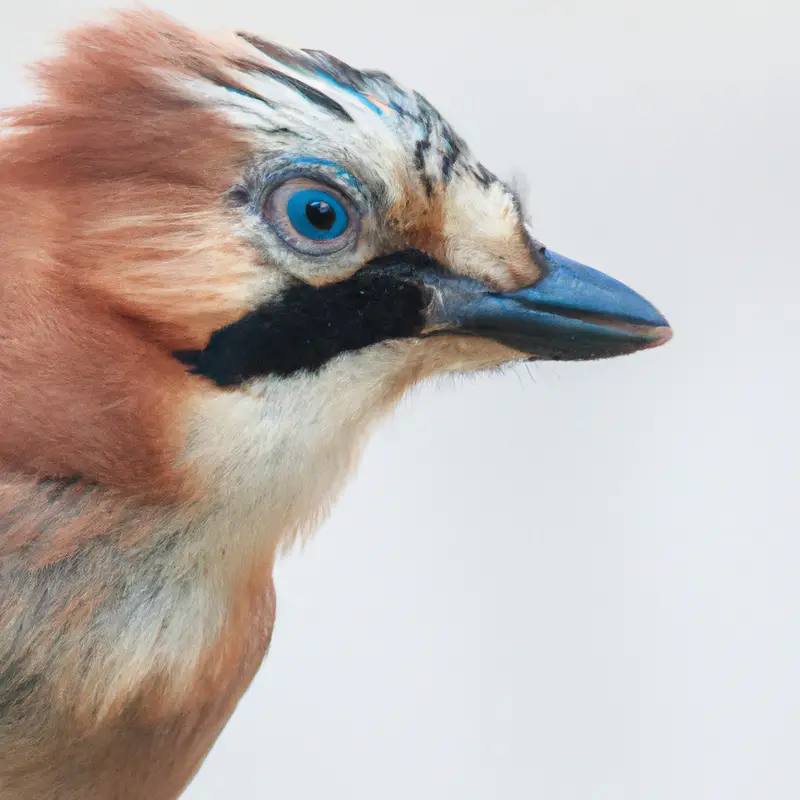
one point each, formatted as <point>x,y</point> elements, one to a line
<point>573,313</point>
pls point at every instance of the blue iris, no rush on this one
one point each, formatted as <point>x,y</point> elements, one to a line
<point>316,214</point>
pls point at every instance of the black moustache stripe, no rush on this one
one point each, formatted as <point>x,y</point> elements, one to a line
<point>305,326</point>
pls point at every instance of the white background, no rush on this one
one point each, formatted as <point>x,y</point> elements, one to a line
<point>580,582</point>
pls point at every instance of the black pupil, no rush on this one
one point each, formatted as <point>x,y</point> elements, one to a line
<point>320,214</point>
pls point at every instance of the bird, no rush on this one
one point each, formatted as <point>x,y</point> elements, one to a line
<point>223,261</point>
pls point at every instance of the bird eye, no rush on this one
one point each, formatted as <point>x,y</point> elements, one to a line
<point>317,214</point>
<point>311,217</point>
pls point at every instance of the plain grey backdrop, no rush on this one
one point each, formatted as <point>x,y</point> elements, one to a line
<point>577,581</point>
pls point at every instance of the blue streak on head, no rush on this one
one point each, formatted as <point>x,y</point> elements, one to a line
<point>324,162</point>
<point>351,91</point>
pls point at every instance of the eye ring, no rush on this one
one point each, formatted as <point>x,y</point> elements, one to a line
<point>311,217</point>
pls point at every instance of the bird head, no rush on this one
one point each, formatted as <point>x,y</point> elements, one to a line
<point>234,217</point>
<point>383,227</point>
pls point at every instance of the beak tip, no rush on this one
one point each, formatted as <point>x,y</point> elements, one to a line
<point>660,335</point>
